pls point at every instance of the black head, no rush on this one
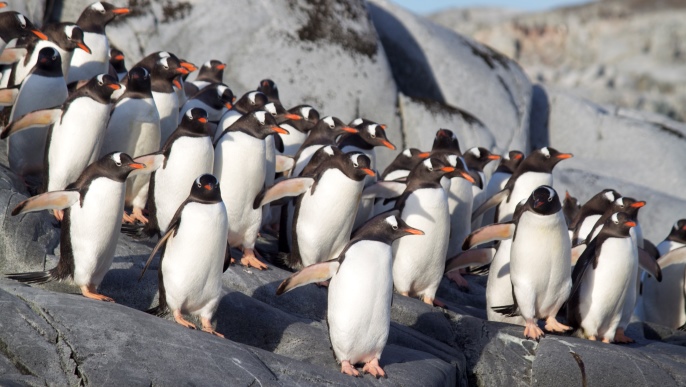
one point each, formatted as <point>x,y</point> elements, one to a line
<point>358,165</point>
<point>225,95</point>
<point>333,127</point>
<point>268,87</point>
<point>544,201</point>
<point>168,67</point>
<point>618,225</point>
<point>100,88</point>
<point>543,160</point>
<point>372,133</point>
<point>97,15</point>
<point>195,120</point>
<point>629,206</point>
<point>68,36</point>
<point>49,60</point>
<point>601,201</point>
<point>206,190</point>
<point>446,140</point>
<point>478,157</point>
<point>250,102</point>
<point>457,162</point>
<point>510,162</point>
<point>212,71</point>
<point>138,80</point>
<point>307,113</point>
<point>14,25</point>
<point>678,232</point>
<point>117,166</point>
<point>430,170</point>
<point>405,160</point>
<point>117,60</point>
<point>386,228</point>
<point>258,124</point>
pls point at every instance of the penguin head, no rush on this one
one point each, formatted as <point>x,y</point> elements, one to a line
<point>117,60</point>
<point>195,120</point>
<point>14,25</point>
<point>386,228</point>
<point>101,87</point>
<point>678,232</point>
<point>74,38</point>
<point>630,206</point>
<point>96,16</point>
<point>118,165</point>
<point>268,88</point>
<point>456,161</point>
<point>544,159</point>
<point>374,134</point>
<point>49,59</point>
<point>169,67</point>
<point>360,164</point>
<point>618,224</point>
<point>251,101</point>
<point>414,154</point>
<point>225,95</point>
<point>205,189</point>
<point>445,139</point>
<point>430,170</point>
<point>138,79</point>
<point>258,124</point>
<point>478,157</point>
<point>212,71</point>
<point>333,126</point>
<point>544,201</point>
<point>510,161</point>
<point>307,112</point>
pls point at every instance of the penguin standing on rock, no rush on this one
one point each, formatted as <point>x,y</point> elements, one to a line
<point>190,279</point>
<point>589,213</point>
<point>508,164</point>
<point>92,212</point>
<point>360,293</point>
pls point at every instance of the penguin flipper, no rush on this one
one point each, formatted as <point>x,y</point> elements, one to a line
<point>672,257</point>
<point>490,203</point>
<point>314,273</point>
<point>56,200</point>
<point>278,144</point>
<point>34,277</point>
<point>577,251</point>
<point>468,258</point>
<point>12,55</point>
<point>158,246</point>
<point>287,187</point>
<point>587,258</point>
<point>38,118</point>
<point>8,96</point>
<point>649,264</point>
<point>152,162</point>
<point>493,232</point>
<point>284,163</point>
<point>384,190</point>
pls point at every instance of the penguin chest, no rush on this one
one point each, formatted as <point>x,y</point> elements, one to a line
<point>291,141</point>
<point>325,217</point>
<point>134,127</point>
<point>360,302</point>
<point>39,92</point>
<point>460,204</point>
<point>85,65</point>
<point>194,257</point>
<point>93,229</point>
<point>168,109</point>
<point>189,158</point>
<point>664,302</point>
<point>228,119</point>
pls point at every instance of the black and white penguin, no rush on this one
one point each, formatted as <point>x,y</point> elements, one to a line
<point>14,25</point>
<point>210,72</point>
<point>360,292</point>
<point>190,279</point>
<point>215,99</point>
<point>590,212</point>
<point>93,21</point>
<point>602,280</point>
<point>570,207</point>
<point>244,141</point>
<point>249,102</point>
<point>298,121</point>
<point>446,140</point>
<point>539,239</point>
<point>43,88</point>
<point>477,159</point>
<point>269,88</point>
<point>534,171</point>
<point>508,164</point>
<point>118,64</point>
<point>630,207</point>
<point>403,163</point>
<point>134,128</point>
<point>323,133</point>
<point>90,229</point>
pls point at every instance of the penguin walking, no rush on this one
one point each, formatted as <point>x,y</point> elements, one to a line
<point>359,323</point>
<point>508,164</point>
<point>93,20</point>
<point>190,279</point>
<point>92,211</point>
<point>589,213</point>
<point>14,25</point>
<point>539,240</point>
<point>477,159</point>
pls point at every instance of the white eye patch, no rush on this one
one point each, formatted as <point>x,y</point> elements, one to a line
<point>407,153</point>
<point>101,78</point>
<point>354,158</point>
<point>329,121</point>
<point>372,129</point>
<point>452,159</point>
<point>614,217</point>
<point>189,114</point>
<point>551,192</point>
<point>69,31</point>
<point>545,151</point>
<point>116,157</point>
<point>270,108</point>
<point>609,196</point>
<point>260,116</point>
<point>392,221</point>
<point>251,96</point>
<point>356,122</point>
<point>305,111</point>
<point>428,164</point>
<point>476,152</point>
<point>98,7</point>
<point>22,20</point>
<point>619,201</point>
<point>164,62</point>
<point>164,54</point>
<point>221,90</point>
<point>328,150</point>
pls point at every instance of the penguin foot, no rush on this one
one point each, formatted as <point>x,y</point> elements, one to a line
<point>348,369</point>
<point>207,327</point>
<point>532,331</point>
<point>89,291</point>
<point>592,338</point>
<point>137,215</point>
<point>323,284</point>
<point>373,368</point>
<point>433,302</point>
<point>59,214</point>
<point>178,317</point>
<point>620,337</point>
<point>459,280</point>
<point>606,340</point>
<point>552,325</point>
<point>250,260</point>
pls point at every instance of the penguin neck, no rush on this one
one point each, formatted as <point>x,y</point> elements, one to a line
<point>355,140</point>
<point>161,85</point>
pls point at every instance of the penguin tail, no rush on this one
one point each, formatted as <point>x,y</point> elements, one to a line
<point>507,310</point>
<point>34,277</point>
<point>135,230</point>
<point>481,270</point>
<point>159,311</point>
<point>682,328</point>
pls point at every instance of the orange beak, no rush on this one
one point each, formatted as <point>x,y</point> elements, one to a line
<point>468,177</point>
<point>121,11</point>
<point>424,155</point>
<point>188,66</point>
<point>84,47</point>
<point>176,83</point>
<point>221,66</point>
<point>3,4</point>
<point>40,34</point>
<point>564,156</point>
<point>208,187</point>
<point>447,169</point>
<point>383,126</point>
<point>279,130</point>
<point>228,105</point>
<point>413,231</point>
<point>638,205</point>
<point>567,195</point>
<point>118,57</point>
<point>368,171</point>
<point>630,224</point>
<point>182,71</point>
<point>114,86</point>
<point>137,165</point>
<point>349,129</point>
<point>202,120</point>
<point>518,156</point>
<point>292,116</point>
<point>494,157</point>
<point>388,145</point>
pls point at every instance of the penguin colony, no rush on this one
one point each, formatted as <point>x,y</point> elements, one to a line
<point>92,139</point>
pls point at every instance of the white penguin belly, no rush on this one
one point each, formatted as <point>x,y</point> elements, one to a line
<point>240,165</point>
<point>168,109</point>
<point>397,174</point>
<point>664,302</point>
<point>325,218</point>
<point>228,119</point>
<point>586,227</point>
<point>499,285</point>
<point>194,257</point>
<point>94,230</point>
<point>125,128</point>
<point>304,159</point>
<point>291,141</point>
<point>360,302</point>
<point>525,185</point>
<point>540,264</point>
<point>85,66</point>
<point>495,184</point>
<point>419,261</point>
<point>189,158</point>
<point>460,209</point>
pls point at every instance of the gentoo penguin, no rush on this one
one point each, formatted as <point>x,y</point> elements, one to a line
<point>323,133</point>
<point>570,207</point>
<point>76,132</point>
<point>43,88</point>
<point>187,154</point>
<point>298,122</point>
<point>118,63</point>
<point>249,102</point>
<point>446,140</point>
<point>629,206</point>
<point>539,240</point>
<point>602,280</point>
<point>419,262</point>
<point>93,21</point>
<point>590,212</point>
<point>324,213</point>
<point>215,99</point>
<point>269,88</point>
<point>403,163</point>
<point>534,171</point>
<point>92,205</point>
<point>190,279</point>
<point>134,128</point>
<point>240,160</point>
<point>210,72</point>
<point>359,324</point>
<point>477,159</point>
<point>508,164</point>
<point>14,25</point>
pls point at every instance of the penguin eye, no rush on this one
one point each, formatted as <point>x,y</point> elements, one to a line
<point>117,163</point>
<point>331,126</point>
<point>68,37</point>
<point>394,227</point>
<point>100,83</point>
<point>547,156</point>
<point>373,135</point>
<point>550,199</point>
<point>102,11</point>
<point>616,222</point>
<point>355,164</point>
<point>54,57</point>
<point>431,168</point>
<point>199,185</point>
<point>252,102</point>
<point>166,67</point>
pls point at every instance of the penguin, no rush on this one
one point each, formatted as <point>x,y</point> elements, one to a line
<point>134,128</point>
<point>630,207</point>
<point>675,239</point>
<point>446,140</point>
<point>210,72</point>
<point>249,102</point>
<point>418,263</point>
<point>43,88</point>
<point>190,279</point>
<point>477,159</point>
<point>269,88</point>
<point>570,207</point>
<point>117,64</point>
<point>590,212</point>
<point>403,163</point>
<point>76,132</point>
<point>323,133</point>
<point>298,121</point>
<point>14,25</point>
<point>539,240</point>
<point>602,280</point>
<point>534,171</point>
<point>240,156</point>
<point>93,21</point>
<point>508,164</point>
<point>359,324</point>
<point>92,205</point>
<point>215,99</point>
